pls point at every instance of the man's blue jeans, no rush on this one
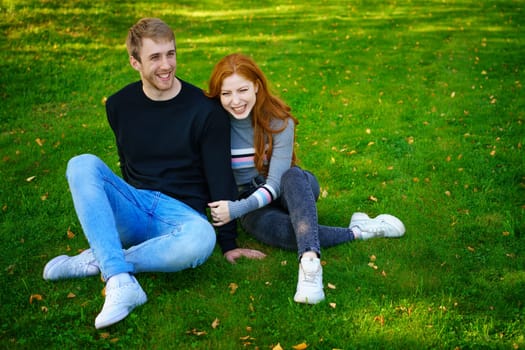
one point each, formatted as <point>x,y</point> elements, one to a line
<point>134,230</point>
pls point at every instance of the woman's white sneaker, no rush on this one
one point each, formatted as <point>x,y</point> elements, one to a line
<point>310,282</point>
<point>384,225</point>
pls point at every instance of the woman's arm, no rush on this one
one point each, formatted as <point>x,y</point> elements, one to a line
<point>281,160</point>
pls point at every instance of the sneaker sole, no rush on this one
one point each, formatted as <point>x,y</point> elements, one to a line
<point>392,220</point>
<point>306,300</point>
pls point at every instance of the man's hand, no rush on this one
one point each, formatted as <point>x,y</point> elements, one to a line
<point>220,213</point>
<point>234,254</point>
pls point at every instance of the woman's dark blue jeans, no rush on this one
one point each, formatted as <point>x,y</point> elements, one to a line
<point>291,222</point>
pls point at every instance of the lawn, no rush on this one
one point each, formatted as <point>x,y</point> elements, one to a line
<point>414,108</point>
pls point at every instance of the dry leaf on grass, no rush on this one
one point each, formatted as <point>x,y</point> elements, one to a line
<point>233,287</point>
<point>372,265</point>
<point>380,319</point>
<point>196,332</point>
<point>70,234</point>
<point>37,297</point>
<point>215,323</point>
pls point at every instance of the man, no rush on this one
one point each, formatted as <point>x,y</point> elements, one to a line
<point>174,150</point>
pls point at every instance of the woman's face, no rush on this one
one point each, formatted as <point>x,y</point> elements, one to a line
<point>238,95</point>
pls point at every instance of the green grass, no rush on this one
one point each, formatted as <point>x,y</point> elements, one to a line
<point>418,104</point>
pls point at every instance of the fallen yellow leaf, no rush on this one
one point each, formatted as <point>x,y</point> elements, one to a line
<point>380,319</point>
<point>196,332</point>
<point>277,347</point>
<point>233,287</point>
<point>35,297</point>
<point>301,346</point>
<point>215,323</point>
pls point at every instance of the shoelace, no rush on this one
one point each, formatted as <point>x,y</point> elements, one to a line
<point>82,266</point>
<point>310,277</point>
<point>379,228</point>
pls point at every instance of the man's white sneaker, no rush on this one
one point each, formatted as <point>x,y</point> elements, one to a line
<point>383,225</point>
<point>310,283</point>
<point>63,266</point>
<point>121,299</point>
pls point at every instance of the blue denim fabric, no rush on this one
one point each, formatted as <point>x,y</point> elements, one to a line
<point>291,221</point>
<point>135,230</point>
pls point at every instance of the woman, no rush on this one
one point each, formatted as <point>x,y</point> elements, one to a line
<point>277,199</point>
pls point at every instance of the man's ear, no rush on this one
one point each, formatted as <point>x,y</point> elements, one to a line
<point>134,63</point>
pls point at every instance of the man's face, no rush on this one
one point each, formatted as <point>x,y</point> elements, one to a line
<point>157,67</point>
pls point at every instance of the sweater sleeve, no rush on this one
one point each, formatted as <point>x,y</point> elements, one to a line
<point>280,161</point>
<point>218,172</point>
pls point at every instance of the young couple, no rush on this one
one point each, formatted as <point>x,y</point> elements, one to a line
<point>181,152</point>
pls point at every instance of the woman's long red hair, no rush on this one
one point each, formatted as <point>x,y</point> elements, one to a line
<point>267,106</point>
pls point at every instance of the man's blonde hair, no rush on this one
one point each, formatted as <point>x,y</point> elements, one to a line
<point>151,28</point>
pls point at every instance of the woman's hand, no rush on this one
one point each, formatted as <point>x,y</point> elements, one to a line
<point>220,212</point>
<point>234,254</point>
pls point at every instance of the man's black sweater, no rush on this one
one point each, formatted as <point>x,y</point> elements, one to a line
<point>180,147</point>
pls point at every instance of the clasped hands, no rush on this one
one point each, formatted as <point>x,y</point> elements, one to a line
<point>220,214</point>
